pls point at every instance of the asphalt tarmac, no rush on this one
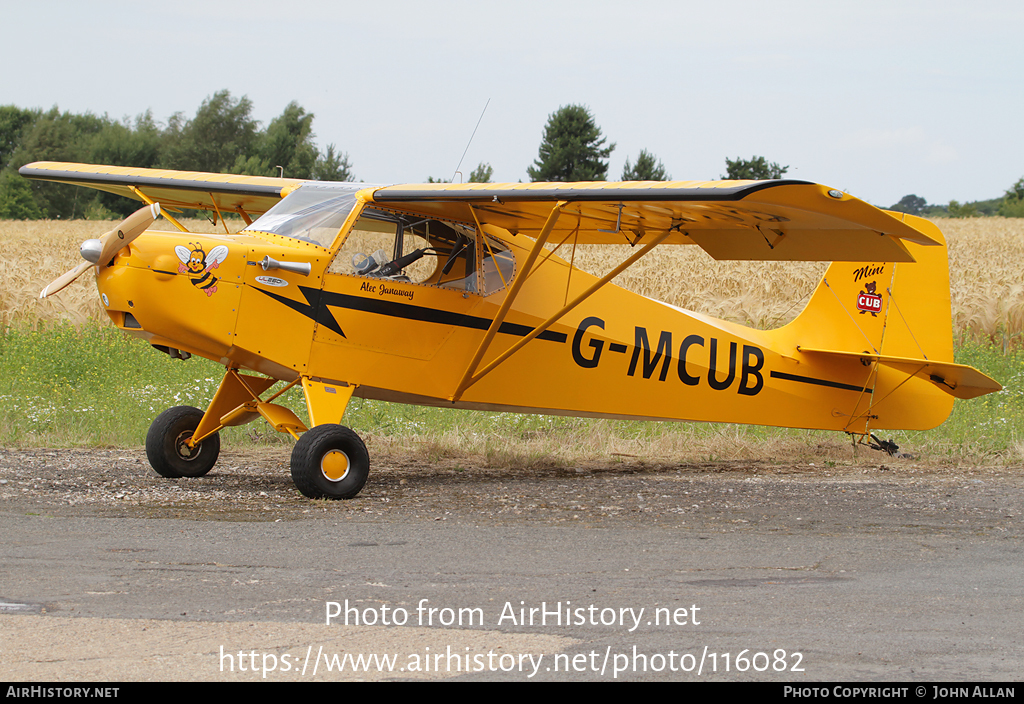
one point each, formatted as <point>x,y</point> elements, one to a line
<point>713,573</point>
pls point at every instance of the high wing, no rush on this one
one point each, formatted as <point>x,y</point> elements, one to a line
<point>780,220</point>
<point>758,220</point>
<point>248,196</point>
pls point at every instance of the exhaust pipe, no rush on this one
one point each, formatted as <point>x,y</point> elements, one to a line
<point>302,269</point>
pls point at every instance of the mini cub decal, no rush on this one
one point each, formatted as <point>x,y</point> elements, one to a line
<point>868,301</point>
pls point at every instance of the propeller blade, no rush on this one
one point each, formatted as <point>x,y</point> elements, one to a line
<point>130,228</point>
<point>65,279</point>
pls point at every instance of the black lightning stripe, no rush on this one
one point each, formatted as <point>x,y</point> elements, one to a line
<point>318,302</point>
<point>311,308</point>
<point>820,382</point>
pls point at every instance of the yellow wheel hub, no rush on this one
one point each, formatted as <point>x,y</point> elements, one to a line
<point>335,465</point>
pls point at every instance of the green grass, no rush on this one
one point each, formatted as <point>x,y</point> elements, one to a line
<point>989,428</point>
<point>66,386</point>
<point>72,386</point>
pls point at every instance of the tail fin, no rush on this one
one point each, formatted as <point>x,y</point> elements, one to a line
<point>895,318</point>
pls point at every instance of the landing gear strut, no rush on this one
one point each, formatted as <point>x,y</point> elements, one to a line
<point>329,461</point>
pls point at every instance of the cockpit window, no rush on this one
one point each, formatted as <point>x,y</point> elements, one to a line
<point>414,249</point>
<point>313,213</point>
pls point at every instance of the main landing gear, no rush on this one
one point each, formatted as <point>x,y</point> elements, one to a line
<point>329,461</point>
<point>168,449</point>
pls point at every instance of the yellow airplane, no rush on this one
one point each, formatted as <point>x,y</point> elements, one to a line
<point>465,296</point>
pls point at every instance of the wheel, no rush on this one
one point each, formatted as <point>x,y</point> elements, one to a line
<point>330,462</point>
<point>166,449</point>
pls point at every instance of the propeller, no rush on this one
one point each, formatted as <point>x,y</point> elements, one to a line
<point>103,249</point>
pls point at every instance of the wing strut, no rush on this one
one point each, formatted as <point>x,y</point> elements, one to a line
<point>217,210</point>
<point>499,317</point>
<point>163,211</point>
<point>470,378</point>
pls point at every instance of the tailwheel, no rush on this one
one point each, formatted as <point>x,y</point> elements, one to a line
<point>167,444</point>
<point>330,462</point>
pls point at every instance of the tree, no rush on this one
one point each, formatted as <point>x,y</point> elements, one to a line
<point>966,210</point>
<point>481,174</point>
<point>1013,202</point>
<point>287,143</point>
<point>1012,208</point>
<point>1016,191</point>
<point>13,123</point>
<point>124,144</point>
<point>572,149</point>
<point>647,168</point>
<point>222,137</point>
<point>910,204</point>
<point>222,131</point>
<point>333,165</point>
<point>757,169</point>
<point>16,201</point>
<point>57,136</point>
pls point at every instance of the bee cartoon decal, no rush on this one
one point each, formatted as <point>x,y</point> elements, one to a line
<point>197,264</point>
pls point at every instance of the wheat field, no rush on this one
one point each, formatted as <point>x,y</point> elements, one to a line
<point>35,252</point>
<point>986,269</point>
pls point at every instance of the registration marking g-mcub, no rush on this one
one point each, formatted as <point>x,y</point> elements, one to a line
<point>271,281</point>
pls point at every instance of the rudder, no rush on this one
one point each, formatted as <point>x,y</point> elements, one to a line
<point>895,319</point>
<point>884,308</point>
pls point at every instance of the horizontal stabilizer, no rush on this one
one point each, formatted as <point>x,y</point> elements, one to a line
<point>959,380</point>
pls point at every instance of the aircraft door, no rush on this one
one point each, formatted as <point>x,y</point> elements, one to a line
<point>400,285</point>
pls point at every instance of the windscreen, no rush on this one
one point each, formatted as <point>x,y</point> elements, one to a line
<point>312,213</point>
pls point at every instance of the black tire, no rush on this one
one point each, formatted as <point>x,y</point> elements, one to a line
<point>330,462</point>
<point>166,449</point>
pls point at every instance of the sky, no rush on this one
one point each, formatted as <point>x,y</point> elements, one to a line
<point>880,99</point>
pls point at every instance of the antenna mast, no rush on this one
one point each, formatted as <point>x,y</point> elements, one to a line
<point>471,138</point>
